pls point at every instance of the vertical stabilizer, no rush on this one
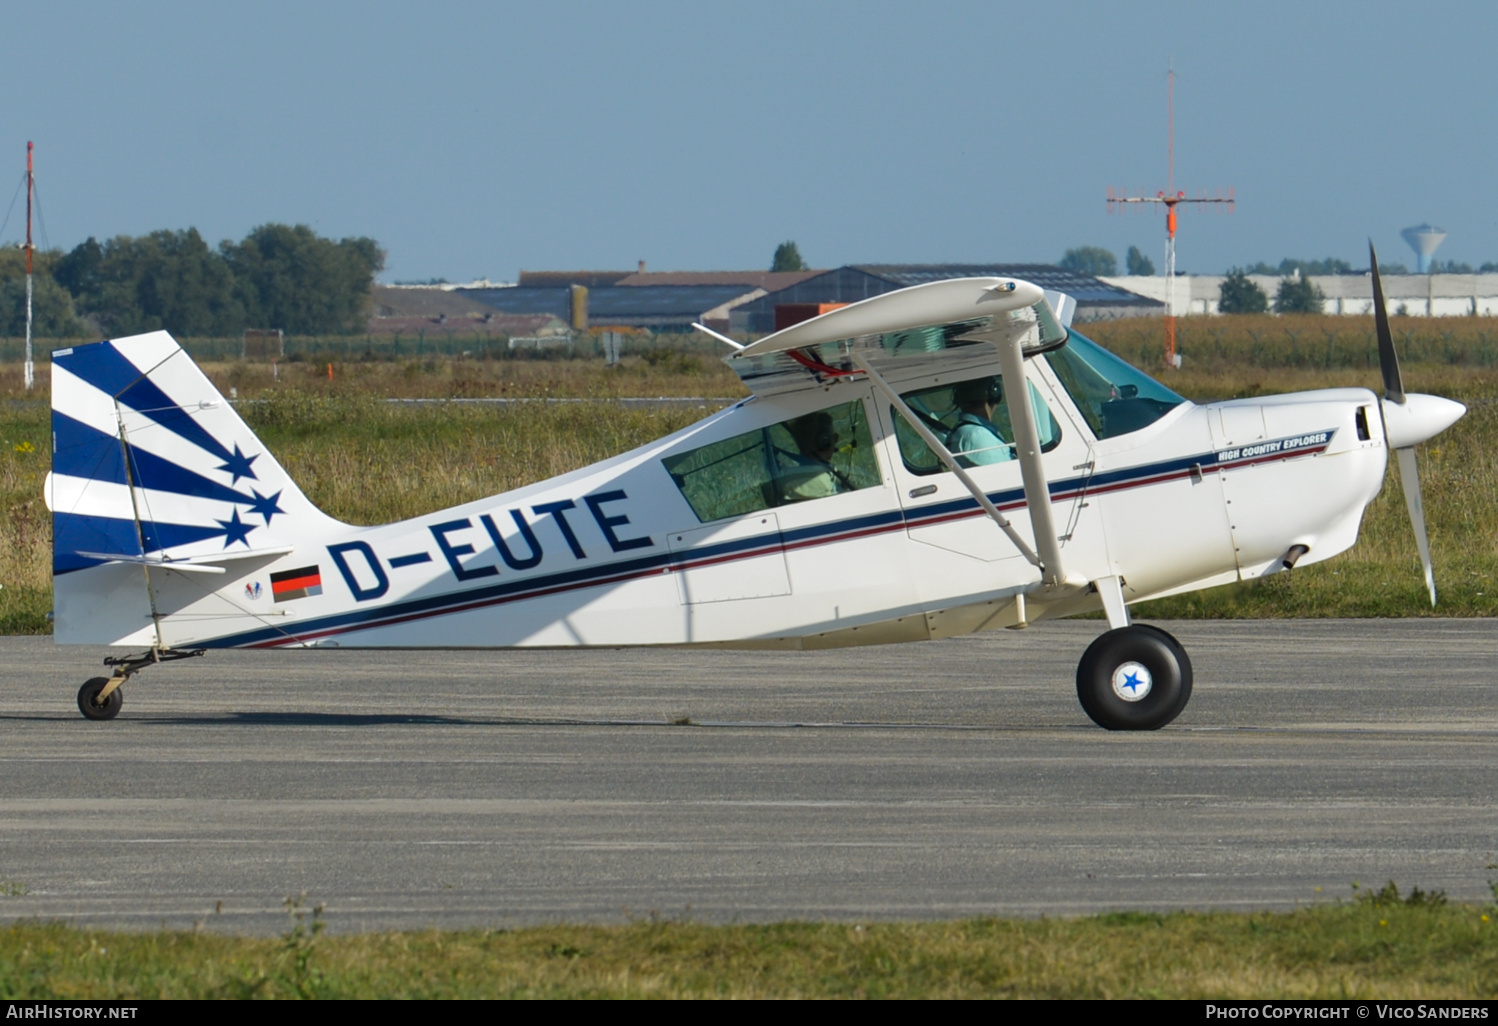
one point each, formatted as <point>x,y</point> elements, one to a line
<point>162,498</point>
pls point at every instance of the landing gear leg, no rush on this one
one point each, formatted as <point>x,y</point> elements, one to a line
<point>100,697</point>
<point>1134,678</point>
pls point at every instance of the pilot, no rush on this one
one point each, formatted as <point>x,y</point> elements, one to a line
<point>813,476</point>
<point>976,439</point>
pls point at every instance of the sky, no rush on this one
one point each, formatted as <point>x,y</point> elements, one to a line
<point>478,139</point>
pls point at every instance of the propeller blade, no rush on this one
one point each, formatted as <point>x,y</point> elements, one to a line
<point>1388,360</point>
<point>1409,476</point>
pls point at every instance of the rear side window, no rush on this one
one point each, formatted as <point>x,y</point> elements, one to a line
<point>814,456</point>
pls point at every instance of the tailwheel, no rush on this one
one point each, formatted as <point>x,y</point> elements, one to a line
<point>1134,678</point>
<point>100,698</point>
<point>95,708</point>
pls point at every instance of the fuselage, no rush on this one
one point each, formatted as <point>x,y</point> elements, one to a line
<point>650,548</point>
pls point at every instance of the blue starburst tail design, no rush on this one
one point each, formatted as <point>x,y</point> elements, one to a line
<point>151,465</point>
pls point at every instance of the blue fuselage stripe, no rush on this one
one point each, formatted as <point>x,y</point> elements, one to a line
<point>816,534</point>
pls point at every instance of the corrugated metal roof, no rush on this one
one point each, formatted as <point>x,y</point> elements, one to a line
<point>770,281</point>
<point>634,304</point>
<point>1081,287</point>
<point>661,300</point>
<point>427,302</point>
<point>524,300</point>
<point>562,279</point>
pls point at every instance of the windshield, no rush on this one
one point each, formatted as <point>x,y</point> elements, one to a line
<point>1114,397</point>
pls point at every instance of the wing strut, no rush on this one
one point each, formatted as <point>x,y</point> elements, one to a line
<point>1027,445</point>
<point>943,454</point>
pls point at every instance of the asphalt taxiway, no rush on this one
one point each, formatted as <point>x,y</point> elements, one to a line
<point>933,780</point>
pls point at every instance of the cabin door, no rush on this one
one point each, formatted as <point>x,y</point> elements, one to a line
<point>971,417</point>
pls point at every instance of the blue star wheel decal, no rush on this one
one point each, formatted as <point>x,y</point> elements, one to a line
<point>1132,681</point>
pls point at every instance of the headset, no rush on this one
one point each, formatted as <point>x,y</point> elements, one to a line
<point>988,390</point>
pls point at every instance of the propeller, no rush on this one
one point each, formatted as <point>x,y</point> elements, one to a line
<point>1408,419</point>
<point>1388,359</point>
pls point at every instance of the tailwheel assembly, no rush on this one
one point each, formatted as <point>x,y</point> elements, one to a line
<point>100,698</point>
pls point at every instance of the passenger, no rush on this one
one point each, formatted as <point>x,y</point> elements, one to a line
<point>976,439</point>
<point>812,476</point>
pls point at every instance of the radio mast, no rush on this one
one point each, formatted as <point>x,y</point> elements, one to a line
<point>30,249</point>
<point>1170,199</point>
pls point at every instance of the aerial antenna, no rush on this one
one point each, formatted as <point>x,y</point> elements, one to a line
<point>30,249</point>
<point>1170,199</point>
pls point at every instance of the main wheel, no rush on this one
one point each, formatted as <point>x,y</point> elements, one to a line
<point>1134,678</point>
<point>91,707</point>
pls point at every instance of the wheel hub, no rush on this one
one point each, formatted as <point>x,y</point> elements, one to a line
<point>1132,681</point>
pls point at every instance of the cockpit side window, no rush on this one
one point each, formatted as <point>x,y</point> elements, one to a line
<point>971,418</point>
<point>814,456</point>
<point>1114,398</point>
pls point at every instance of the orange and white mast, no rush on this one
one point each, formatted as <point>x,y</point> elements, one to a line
<point>1170,198</point>
<point>30,250</point>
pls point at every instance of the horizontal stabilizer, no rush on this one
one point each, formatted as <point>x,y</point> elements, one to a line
<point>165,564</point>
<point>204,564</point>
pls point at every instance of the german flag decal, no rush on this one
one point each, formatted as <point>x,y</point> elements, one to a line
<point>295,584</point>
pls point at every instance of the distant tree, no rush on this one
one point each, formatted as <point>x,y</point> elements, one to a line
<point>1138,263</point>
<point>52,314</point>
<point>1238,295</point>
<point>52,311</point>
<point>1487,268</point>
<point>1291,265</point>
<point>168,279</point>
<point>278,277</point>
<point>1298,295</point>
<point>1331,265</point>
<point>78,271</point>
<point>1092,260</point>
<point>291,278</point>
<point>787,258</point>
<point>1450,267</point>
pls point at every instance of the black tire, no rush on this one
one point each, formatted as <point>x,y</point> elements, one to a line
<point>93,709</point>
<point>1144,659</point>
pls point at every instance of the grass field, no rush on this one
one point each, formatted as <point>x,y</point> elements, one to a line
<point>1386,945</point>
<point>370,462</point>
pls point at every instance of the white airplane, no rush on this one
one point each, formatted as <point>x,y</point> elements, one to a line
<point>940,460</point>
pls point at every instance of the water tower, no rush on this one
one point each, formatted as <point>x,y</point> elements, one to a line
<point>1423,239</point>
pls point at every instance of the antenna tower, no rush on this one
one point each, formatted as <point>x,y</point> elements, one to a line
<point>1170,199</point>
<point>30,249</point>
